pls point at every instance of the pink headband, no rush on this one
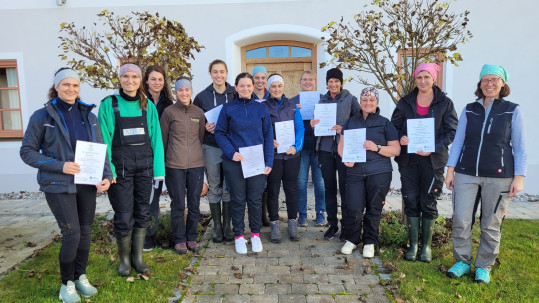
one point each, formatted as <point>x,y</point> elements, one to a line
<point>130,67</point>
<point>432,68</point>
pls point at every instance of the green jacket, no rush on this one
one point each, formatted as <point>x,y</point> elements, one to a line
<point>132,109</point>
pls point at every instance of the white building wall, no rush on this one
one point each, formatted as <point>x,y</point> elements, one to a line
<point>503,34</point>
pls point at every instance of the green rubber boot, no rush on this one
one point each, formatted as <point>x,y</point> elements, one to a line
<point>215,209</point>
<point>137,245</point>
<point>124,252</point>
<point>413,235</point>
<point>427,229</point>
<point>228,235</point>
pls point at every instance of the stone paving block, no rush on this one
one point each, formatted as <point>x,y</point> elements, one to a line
<point>302,269</point>
<point>330,288</point>
<point>244,261</point>
<point>278,289</point>
<point>207,270</point>
<point>265,278</point>
<point>189,299</point>
<point>314,260</point>
<point>341,279</point>
<point>292,298</point>
<point>215,278</point>
<point>292,278</point>
<point>204,288</point>
<point>217,261</point>
<point>252,289</point>
<point>226,289</point>
<point>315,278</point>
<point>208,299</point>
<point>377,289</point>
<point>267,261</point>
<point>368,279</point>
<point>278,269</point>
<point>347,298</point>
<point>278,253</point>
<point>227,269</point>
<point>325,269</point>
<point>241,279</point>
<point>320,299</point>
<point>255,270</point>
<point>291,260</point>
<point>236,299</point>
<point>359,289</point>
<point>264,299</point>
<point>304,289</point>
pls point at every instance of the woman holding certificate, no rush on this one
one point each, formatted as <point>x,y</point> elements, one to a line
<point>245,136</point>
<point>328,158</point>
<point>422,171</point>
<point>288,130</point>
<point>487,162</point>
<point>367,180</point>
<point>130,127</point>
<point>182,129</point>
<point>49,145</point>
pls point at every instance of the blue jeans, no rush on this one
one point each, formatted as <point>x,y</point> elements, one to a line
<point>309,159</point>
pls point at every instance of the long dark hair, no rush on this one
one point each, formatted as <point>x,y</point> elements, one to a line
<point>238,78</point>
<point>52,91</point>
<point>504,92</point>
<point>166,88</point>
<point>140,91</point>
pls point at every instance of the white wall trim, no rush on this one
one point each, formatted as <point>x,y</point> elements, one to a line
<point>18,56</point>
<point>234,42</point>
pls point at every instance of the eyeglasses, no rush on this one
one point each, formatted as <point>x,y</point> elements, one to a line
<point>494,81</point>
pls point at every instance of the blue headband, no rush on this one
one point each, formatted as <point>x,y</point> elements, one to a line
<point>259,69</point>
<point>65,73</point>
<point>183,83</point>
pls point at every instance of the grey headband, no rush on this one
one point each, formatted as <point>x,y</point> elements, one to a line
<point>183,83</point>
<point>65,73</point>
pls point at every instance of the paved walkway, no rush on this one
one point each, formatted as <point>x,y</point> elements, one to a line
<point>310,270</point>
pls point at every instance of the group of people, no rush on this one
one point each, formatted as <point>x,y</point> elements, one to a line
<point>151,139</point>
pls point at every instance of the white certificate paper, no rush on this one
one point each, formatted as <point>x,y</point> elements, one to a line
<point>420,135</point>
<point>327,113</point>
<point>253,160</point>
<point>307,100</point>
<point>90,157</point>
<point>285,135</point>
<point>213,114</point>
<point>353,150</point>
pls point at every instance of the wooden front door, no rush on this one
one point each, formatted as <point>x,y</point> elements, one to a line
<point>288,58</point>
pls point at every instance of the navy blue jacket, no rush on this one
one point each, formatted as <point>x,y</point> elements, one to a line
<point>47,132</point>
<point>242,123</point>
<point>285,110</point>
<point>308,137</point>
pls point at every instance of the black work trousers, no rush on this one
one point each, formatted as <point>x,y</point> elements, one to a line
<point>131,195</point>
<point>366,197</point>
<point>182,182</point>
<point>287,172</point>
<point>421,186</point>
<point>154,209</point>
<point>244,191</point>
<point>74,214</point>
<point>331,165</point>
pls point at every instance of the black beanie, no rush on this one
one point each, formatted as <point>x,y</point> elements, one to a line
<point>334,73</point>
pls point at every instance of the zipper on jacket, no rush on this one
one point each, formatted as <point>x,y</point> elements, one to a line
<point>187,132</point>
<point>462,154</point>
<point>502,158</point>
<point>489,125</point>
<point>481,142</point>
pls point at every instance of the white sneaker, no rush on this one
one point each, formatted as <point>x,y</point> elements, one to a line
<point>256,244</point>
<point>368,251</point>
<point>241,248</point>
<point>348,247</point>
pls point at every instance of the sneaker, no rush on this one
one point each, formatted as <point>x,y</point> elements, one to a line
<point>320,219</point>
<point>348,247</point>
<point>193,246</point>
<point>460,268</point>
<point>302,220</point>
<point>68,293</point>
<point>275,232</point>
<point>241,248</point>
<point>482,276</point>
<point>180,248</point>
<point>293,229</point>
<point>256,244</point>
<point>86,289</point>
<point>149,244</point>
<point>368,251</point>
<point>331,232</point>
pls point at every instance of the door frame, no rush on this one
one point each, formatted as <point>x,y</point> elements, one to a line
<point>312,59</point>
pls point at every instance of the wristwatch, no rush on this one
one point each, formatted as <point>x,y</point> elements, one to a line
<point>379,148</point>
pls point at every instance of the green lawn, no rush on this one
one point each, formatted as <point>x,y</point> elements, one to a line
<point>515,278</point>
<point>38,280</point>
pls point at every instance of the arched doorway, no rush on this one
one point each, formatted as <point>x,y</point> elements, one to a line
<point>286,57</point>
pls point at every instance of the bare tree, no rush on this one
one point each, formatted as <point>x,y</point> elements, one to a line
<point>143,38</point>
<point>420,30</point>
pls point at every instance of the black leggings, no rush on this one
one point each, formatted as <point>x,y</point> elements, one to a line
<point>287,172</point>
<point>74,214</point>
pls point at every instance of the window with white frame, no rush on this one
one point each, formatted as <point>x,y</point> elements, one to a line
<point>10,101</point>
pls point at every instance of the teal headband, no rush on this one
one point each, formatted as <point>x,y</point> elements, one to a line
<point>497,70</point>
<point>259,69</point>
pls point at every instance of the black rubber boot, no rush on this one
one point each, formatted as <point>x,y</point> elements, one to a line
<point>265,218</point>
<point>136,250</point>
<point>413,235</point>
<point>427,229</point>
<point>124,253</point>
<point>228,235</point>
<point>215,209</point>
